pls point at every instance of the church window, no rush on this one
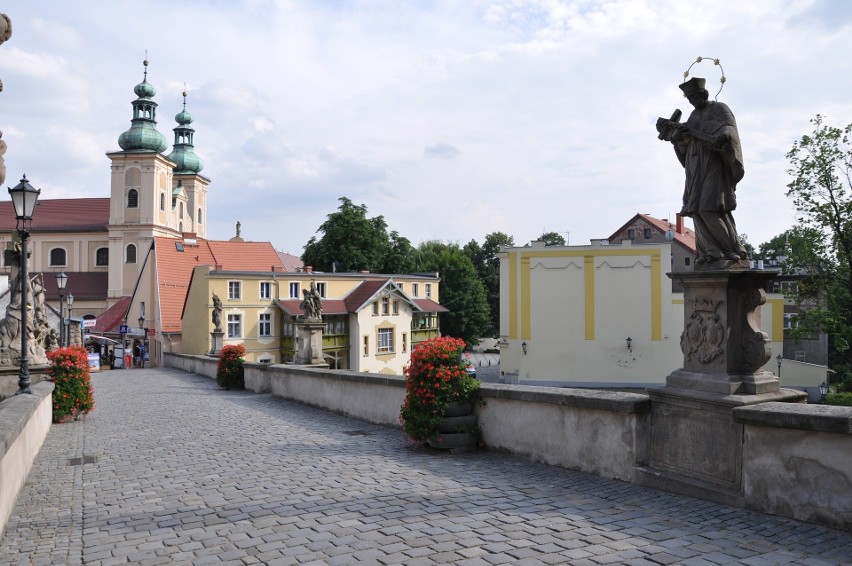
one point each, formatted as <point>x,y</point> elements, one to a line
<point>132,198</point>
<point>102,256</point>
<point>180,227</point>
<point>162,201</point>
<point>57,257</point>
<point>130,254</point>
<point>180,214</point>
<point>199,216</point>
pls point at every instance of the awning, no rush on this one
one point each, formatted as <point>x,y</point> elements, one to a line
<point>102,340</point>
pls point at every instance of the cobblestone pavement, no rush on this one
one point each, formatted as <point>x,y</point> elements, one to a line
<point>187,474</point>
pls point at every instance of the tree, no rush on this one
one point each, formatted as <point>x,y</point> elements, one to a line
<point>461,290</point>
<point>552,239</point>
<point>353,242</point>
<point>487,265</point>
<point>821,167</point>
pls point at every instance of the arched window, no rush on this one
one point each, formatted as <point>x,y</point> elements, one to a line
<point>57,257</point>
<point>102,256</point>
<point>180,227</point>
<point>199,216</point>
<point>162,201</point>
<point>130,254</point>
<point>132,198</point>
<point>180,214</point>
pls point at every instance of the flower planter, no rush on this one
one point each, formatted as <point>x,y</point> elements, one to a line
<point>457,424</point>
<point>454,441</point>
<point>458,409</point>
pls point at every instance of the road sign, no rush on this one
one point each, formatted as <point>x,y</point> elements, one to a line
<point>123,329</point>
<point>152,331</point>
<point>89,322</point>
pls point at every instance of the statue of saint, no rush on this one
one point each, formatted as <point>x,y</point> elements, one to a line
<point>217,313</point>
<point>708,147</point>
<point>312,303</point>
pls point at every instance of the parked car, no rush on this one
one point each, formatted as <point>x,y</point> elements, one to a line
<point>471,369</point>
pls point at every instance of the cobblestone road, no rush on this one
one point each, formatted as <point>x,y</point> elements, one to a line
<point>187,474</point>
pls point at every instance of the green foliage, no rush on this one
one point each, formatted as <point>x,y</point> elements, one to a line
<point>487,265</point>
<point>462,291</point>
<point>436,377</point>
<point>352,242</point>
<point>552,239</point>
<point>229,371</point>
<point>821,164</point>
<point>844,398</point>
<point>73,394</point>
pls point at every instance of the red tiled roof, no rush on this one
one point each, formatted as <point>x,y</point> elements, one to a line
<point>428,305</point>
<point>291,263</point>
<point>685,238</point>
<point>174,269</point>
<point>108,322</point>
<point>83,285</point>
<point>362,293</point>
<point>62,215</point>
<point>329,306</point>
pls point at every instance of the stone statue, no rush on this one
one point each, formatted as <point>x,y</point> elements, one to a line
<point>708,147</point>
<point>312,304</point>
<point>10,326</point>
<point>238,228</point>
<point>5,34</point>
<point>217,313</point>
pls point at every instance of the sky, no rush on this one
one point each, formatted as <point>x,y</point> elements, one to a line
<point>451,119</point>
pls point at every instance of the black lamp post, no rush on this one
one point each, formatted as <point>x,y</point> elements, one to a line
<point>61,281</point>
<point>823,390</point>
<point>142,349</point>
<point>70,300</point>
<point>778,359</point>
<point>24,199</point>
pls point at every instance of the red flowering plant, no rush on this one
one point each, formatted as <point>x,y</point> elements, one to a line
<point>229,371</point>
<point>436,377</point>
<point>73,394</point>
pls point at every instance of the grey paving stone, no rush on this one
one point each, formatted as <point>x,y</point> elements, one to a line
<point>173,483</point>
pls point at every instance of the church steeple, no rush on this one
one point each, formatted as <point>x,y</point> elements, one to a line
<point>143,135</point>
<point>183,154</point>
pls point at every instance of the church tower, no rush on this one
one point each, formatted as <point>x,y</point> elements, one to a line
<point>189,195</point>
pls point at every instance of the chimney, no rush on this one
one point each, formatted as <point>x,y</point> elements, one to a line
<point>679,223</point>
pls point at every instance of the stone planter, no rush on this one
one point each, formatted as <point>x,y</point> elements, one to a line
<point>457,433</point>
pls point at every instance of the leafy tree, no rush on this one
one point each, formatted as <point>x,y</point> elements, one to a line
<point>487,265</point>
<point>552,239</point>
<point>821,167</point>
<point>747,245</point>
<point>353,242</point>
<point>462,291</point>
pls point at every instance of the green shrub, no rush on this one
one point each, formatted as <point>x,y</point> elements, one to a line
<point>229,372</point>
<point>436,377</point>
<point>844,398</point>
<point>73,394</point>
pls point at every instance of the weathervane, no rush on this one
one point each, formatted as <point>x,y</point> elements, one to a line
<point>715,62</point>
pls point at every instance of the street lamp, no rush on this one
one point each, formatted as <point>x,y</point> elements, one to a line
<point>24,199</point>
<point>778,359</point>
<point>70,300</point>
<point>61,281</point>
<point>823,391</point>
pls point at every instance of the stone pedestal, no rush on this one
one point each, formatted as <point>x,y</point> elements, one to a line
<point>696,446</point>
<point>310,343</point>
<point>218,340</point>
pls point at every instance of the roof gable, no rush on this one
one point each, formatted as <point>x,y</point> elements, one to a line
<point>62,215</point>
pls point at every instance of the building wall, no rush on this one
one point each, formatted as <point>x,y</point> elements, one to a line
<point>369,326</point>
<point>574,308</point>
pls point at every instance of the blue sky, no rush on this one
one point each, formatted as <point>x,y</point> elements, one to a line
<point>452,119</point>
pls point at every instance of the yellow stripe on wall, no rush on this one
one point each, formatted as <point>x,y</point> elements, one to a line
<point>513,295</point>
<point>777,319</point>
<point>589,280</point>
<point>525,297</point>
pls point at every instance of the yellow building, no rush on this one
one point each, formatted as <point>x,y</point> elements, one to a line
<point>599,315</point>
<point>371,321</point>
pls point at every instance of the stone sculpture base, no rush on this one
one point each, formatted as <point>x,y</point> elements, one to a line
<point>310,343</point>
<point>696,446</point>
<point>218,340</point>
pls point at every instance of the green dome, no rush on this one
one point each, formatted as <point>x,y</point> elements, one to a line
<point>183,118</point>
<point>143,135</point>
<point>186,160</point>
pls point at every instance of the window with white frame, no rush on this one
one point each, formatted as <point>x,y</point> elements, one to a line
<point>404,342</point>
<point>366,346</point>
<point>321,289</point>
<point>130,254</point>
<point>415,289</point>
<point>162,201</point>
<point>428,290</point>
<point>57,257</point>
<point>265,290</point>
<point>102,256</point>
<point>396,307</point>
<point>384,342</point>
<point>791,320</point>
<point>294,290</point>
<point>264,325</point>
<point>235,326</point>
<point>234,289</point>
<point>375,308</point>
<point>385,305</point>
